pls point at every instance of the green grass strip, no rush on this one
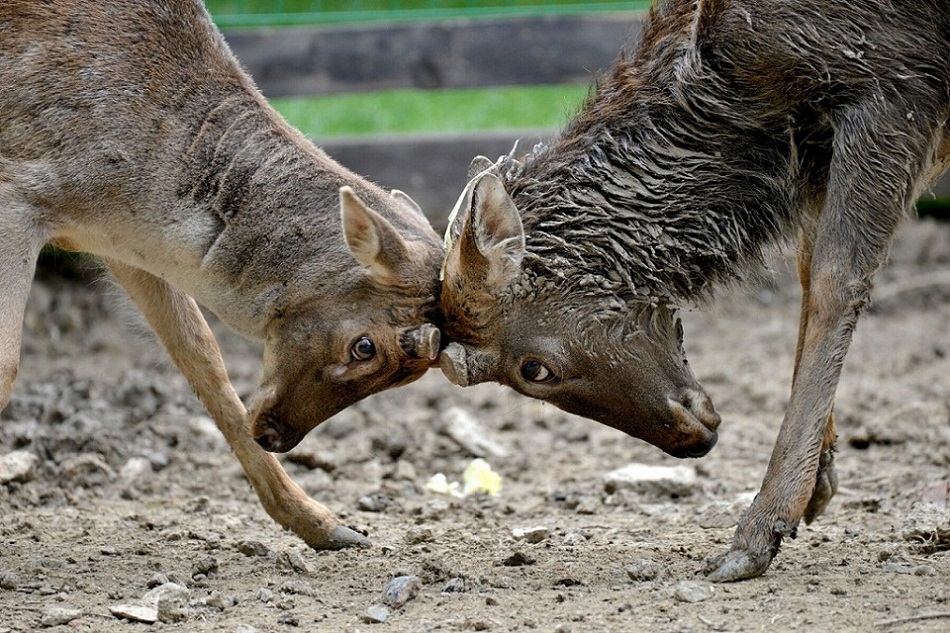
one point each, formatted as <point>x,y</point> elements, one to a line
<point>424,111</point>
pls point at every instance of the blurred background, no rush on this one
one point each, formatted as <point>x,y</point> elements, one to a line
<point>407,92</point>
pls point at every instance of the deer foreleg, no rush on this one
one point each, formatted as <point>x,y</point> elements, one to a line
<point>192,347</point>
<point>20,244</point>
<point>873,180</point>
<point>826,480</point>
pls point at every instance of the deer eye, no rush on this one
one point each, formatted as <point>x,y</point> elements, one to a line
<point>535,371</point>
<point>363,349</point>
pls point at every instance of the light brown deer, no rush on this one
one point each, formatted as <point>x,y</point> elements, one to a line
<point>129,131</point>
<point>736,124</point>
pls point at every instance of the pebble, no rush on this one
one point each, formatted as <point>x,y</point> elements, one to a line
<point>531,534</point>
<point>9,581</point>
<point>643,570</point>
<point>469,433</point>
<point>401,590</point>
<point>689,591</point>
<point>661,481</point>
<point>135,612</point>
<point>253,548</point>
<point>296,562</point>
<point>135,468</point>
<point>18,466</point>
<point>376,502</point>
<point>170,600</point>
<point>57,616</point>
<point>376,614</point>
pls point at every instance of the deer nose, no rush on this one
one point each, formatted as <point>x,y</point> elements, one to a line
<point>699,404</point>
<point>269,440</point>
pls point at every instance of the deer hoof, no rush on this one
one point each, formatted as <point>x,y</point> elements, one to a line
<point>738,564</point>
<point>342,537</point>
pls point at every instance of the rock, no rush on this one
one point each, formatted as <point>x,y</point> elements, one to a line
<point>643,570</point>
<point>253,548</point>
<point>296,562</point>
<point>531,534</point>
<point>56,616</point>
<point>88,470</point>
<point>401,590</point>
<point>469,433</point>
<point>158,578</point>
<point>688,591</point>
<point>18,466</point>
<point>660,481</point>
<point>455,585</point>
<point>170,601</point>
<point>927,523</point>
<point>135,468</point>
<point>376,614</point>
<point>136,612</point>
<point>9,581</point>
<point>376,502</point>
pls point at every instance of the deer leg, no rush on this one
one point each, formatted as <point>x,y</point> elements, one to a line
<point>176,319</point>
<point>872,181</point>
<point>20,244</point>
<point>826,481</point>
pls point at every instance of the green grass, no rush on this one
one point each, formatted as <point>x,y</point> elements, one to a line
<point>230,13</point>
<point>418,111</point>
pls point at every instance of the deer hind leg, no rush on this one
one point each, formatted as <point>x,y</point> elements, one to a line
<point>189,341</point>
<point>20,244</point>
<point>873,180</point>
<point>826,480</point>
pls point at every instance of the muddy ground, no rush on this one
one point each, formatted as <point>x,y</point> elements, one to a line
<point>134,487</point>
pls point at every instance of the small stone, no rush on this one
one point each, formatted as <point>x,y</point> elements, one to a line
<point>9,581</point>
<point>469,433</point>
<point>135,468</point>
<point>135,612</point>
<point>288,619</point>
<point>454,585</point>
<point>265,595</point>
<point>518,559</point>
<point>401,590</point>
<point>660,481</point>
<point>253,548</point>
<point>925,570</point>
<point>216,601</point>
<point>376,502</point>
<point>206,566</point>
<point>109,550</point>
<point>57,616</point>
<point>688,591</point>
<point>376,614</point>
<point>295,561</point>
<point>18,466</point>
<point>531,534</point>
<point>170,600</point>
<point>643,570</point>
<point>158,578</point>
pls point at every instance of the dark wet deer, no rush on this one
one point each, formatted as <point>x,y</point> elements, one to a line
<point>128,130</point>
<point>735,125</point>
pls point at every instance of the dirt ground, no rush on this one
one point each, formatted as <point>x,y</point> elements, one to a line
<point>135,488</point>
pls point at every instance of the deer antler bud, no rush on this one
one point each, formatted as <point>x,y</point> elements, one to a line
<point>422,341</point>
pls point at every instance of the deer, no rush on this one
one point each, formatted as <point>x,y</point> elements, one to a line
<point>129,131</point>
<point>733,127</point>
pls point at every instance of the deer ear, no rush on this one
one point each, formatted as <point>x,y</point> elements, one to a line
<point>496,231</point>
<point>374,242</point>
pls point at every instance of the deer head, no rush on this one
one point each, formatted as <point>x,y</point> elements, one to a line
<point>326,353</point>
<point>553,339</point>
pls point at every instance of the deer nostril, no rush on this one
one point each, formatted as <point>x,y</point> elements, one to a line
<point>269,440</point>
<point>699,404</point>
